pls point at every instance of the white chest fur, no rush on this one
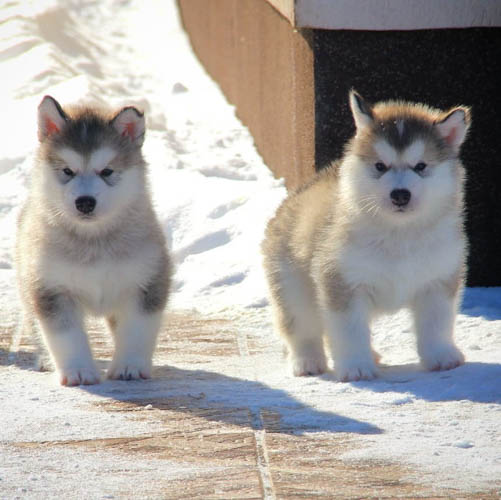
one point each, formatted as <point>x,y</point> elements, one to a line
<point>106,283</point>
<point>397,264</point>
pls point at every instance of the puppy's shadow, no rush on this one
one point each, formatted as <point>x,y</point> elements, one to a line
<point>476,382</point>
<point>230,400</point>
<point>26,360</point>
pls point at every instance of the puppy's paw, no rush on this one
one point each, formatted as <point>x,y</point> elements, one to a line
<point>79,375</point>
<point>129,369</point>
<point>308,365</point>
<point>444,357</point>
<point>351,370</point>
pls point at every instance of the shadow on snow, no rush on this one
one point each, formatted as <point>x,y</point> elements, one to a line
<point>247,403</point>
<point>473,381</point>
<point>231,400</point>
<point>216,397</point>
<point>482,302</point>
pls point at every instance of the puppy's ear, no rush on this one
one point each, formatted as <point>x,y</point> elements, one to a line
<point>51,118</point>
<point>453,126</point>
<point>129,122</point>
<point>361,110</point>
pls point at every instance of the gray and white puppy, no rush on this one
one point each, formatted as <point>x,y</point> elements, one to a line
<point>380,230</point>
<point>89,242</point>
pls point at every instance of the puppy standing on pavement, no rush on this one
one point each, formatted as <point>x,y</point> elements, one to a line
<point>380,230</point>
<point>89,242</point>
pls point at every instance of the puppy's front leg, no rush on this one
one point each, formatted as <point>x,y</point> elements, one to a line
<point>434,312</point>
<point>348,334</point>
<point>135,330</point>
<point>135,327</point>
<point>62,328</point>
<point>135,334</point>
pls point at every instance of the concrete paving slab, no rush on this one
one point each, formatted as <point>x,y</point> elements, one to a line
<point>178,441</point>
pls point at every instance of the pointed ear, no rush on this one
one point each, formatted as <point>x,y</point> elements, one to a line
<point>453,126</point>
<point>361,110</point>
<point>129,122</point>
<point>51,118</point>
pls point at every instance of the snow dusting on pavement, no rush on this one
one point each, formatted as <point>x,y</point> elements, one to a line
<point>213,194</point>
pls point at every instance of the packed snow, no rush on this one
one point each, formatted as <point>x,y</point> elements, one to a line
<point>213,194</point>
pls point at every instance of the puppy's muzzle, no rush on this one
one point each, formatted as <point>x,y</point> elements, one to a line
<point>85,204</point>
<point>400,197</point>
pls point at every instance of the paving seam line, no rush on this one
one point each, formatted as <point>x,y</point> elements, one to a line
<point>263,463</point>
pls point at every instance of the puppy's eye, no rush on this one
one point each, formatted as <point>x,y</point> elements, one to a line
<point>420,167</point>
<point>67,171</point>
<point>380,167</point>
<point>106,172</point>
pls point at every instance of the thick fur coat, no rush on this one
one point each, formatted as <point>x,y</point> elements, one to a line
<point>89,242</point>
<point>380,230</point>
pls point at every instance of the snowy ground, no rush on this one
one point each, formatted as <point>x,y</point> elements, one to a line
<point>214,195</point>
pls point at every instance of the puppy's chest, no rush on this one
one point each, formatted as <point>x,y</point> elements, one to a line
<point>104,284</point>
<point>395,271</point>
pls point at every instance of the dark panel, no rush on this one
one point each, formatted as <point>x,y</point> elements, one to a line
<point>442,68</point>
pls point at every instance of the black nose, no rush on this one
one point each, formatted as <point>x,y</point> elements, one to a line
<point>85,204</point>
<point>400,197</point>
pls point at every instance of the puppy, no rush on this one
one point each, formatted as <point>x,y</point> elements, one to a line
<point>379,230</point>
<point>88,242</point>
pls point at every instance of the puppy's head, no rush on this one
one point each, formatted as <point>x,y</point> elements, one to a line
<point>402,163</point>
<point>90,162</point>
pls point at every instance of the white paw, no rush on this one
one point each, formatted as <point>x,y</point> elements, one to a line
<point>129,369</point>
<point>79,375</point>
<point>444,357</point>
<point>350,370</point>
<point>308,365</point>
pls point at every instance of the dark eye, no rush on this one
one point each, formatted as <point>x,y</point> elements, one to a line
<point>419,167</point>
<point>67,171</point>
<point>106,172</point>
<point>381,167</point>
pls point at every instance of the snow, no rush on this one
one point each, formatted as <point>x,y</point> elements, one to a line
<point>213,194</point>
